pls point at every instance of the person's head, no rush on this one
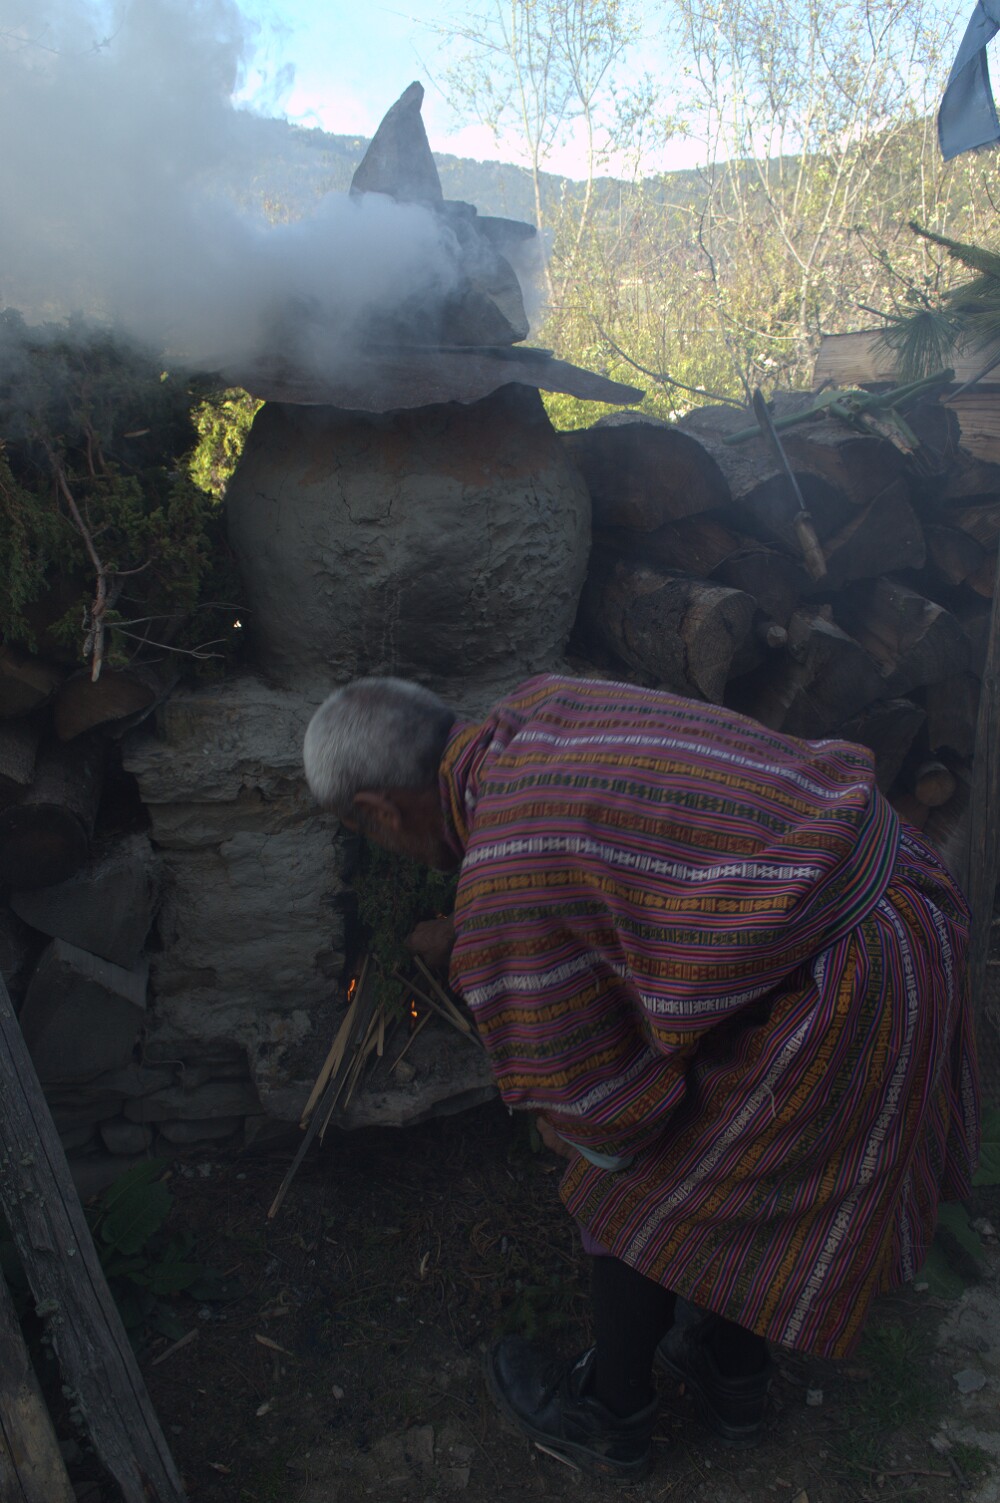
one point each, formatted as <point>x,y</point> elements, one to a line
<point>372,752</point>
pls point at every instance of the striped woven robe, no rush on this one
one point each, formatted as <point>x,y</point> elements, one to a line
<point>715,952</point>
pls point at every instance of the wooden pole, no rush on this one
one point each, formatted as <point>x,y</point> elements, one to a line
<point>31,1466</point>
<point>99,1371</point>
<point>984,845</point>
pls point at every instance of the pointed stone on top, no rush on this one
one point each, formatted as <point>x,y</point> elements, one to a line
<point>399,160</point>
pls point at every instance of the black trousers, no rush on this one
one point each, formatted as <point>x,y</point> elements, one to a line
<point>631,1316</point>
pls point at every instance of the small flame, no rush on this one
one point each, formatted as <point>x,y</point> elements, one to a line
<point>413,1008</point>
<point>352,987</point>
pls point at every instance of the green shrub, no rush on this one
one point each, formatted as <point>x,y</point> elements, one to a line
<point>109,550</point>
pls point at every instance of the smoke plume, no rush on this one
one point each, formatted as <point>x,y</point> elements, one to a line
<point>120,138</point>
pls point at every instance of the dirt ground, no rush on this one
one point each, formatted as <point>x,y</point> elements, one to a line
<point>349,1368</point>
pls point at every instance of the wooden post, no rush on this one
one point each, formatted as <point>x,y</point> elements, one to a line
<point>46,1220</point>
<point>31,1466</point>
<point>984,841</point>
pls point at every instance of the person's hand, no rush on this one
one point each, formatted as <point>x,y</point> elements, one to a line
<point>552,1140</point>
<point>432,941</point>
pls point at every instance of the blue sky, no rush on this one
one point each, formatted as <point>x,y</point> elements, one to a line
<point>353,58</point>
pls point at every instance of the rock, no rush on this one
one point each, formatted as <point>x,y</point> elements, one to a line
<point>81,1015</point>
<point>106,908</point>
<point>229,752</point>
<point>220,1058</point>
<point>122,1137</point>
<point>226,1099</point>
<point>444,543</point>
<point>75,1138</point>
<point>399,160</point>
<point>970,1380</point>
<point>451,1075</point>
<point>132,1081</point>
<point>202,1130</point>
<point>84,1108</point>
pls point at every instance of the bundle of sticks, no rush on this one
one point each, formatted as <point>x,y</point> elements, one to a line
<point>366,1028</point>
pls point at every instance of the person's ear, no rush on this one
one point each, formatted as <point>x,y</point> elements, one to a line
<point>376,814</point>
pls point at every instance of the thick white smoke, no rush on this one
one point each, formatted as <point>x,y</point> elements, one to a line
<point>118,127</point>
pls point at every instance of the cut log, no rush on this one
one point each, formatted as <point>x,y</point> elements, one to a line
<point>933,784</point>
<point>952,707</point>
<point>695,545</point>
<point>983,581</point>
<point>935,427</point>
<point>969,482</point>
<point>980,522</point>
<point>705,547</point>
<point>25,682</point>
<point>953,553</point>
<point>45,837</point>
<point>885,535</point>
<point>973,615</point>
<point>642,473</point>
<point>978,413</point>
<point>106,908</point>
<point>684,633</point>
<point>18,746</point>
<point>947,828</point>
<point>914,812</point>
<point>31,1464</point>
<point>819,681</point>
<point>119,694</point>
<point>776,581</point>
<point>862,466</point>
<point>889,728</point>
<point>81,1016</point>
<point>914,640</point>
<point>48,1227</point>
<point>761,494</point>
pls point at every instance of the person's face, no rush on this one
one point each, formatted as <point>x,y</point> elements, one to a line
<point>406,821</point>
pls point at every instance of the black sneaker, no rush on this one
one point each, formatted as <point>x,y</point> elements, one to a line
<point>550,1403</point>
<point>733,1407</point>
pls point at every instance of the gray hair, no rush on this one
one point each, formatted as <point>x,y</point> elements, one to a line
<point>375,733</point>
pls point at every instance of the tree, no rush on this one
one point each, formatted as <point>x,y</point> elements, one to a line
<point>543,68</point>
<point>817,127</point>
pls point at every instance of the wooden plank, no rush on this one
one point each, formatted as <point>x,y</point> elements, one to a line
<point>984,828</point>
<point>49,1229</point>
<point>860,359</point>
<point>31,1465</point>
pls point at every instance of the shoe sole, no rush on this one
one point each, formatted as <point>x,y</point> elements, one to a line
<point>566,1451</point>
<point>736,1437</point>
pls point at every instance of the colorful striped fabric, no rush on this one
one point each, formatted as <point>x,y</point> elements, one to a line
<point>714,948</point>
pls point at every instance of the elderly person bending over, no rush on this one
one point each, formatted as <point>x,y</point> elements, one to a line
<point>729,978</point>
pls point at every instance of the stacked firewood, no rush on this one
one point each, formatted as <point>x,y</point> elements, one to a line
<point>53,730</point>
<point>854,602</point>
